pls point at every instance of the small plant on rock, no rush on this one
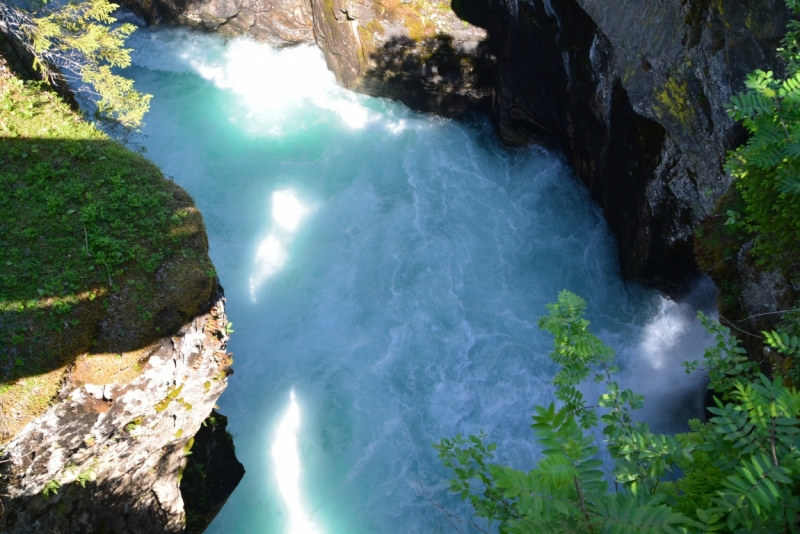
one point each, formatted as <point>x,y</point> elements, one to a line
<point>51,488</point>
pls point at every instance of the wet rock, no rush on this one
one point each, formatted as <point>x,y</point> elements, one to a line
<point>279,22</point>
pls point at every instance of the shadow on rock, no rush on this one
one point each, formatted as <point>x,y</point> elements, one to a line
<point>212,473</point>
<point>435,74</point>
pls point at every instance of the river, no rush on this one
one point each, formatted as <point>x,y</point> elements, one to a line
<point>384,272</point>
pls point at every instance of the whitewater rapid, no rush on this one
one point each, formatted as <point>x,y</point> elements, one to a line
<point>384,271</point>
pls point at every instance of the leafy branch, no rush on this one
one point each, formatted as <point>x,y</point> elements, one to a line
<point>77,45</point>
<point>739,470</point>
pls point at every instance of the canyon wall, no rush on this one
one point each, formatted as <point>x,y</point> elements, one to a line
<point>632,94</point>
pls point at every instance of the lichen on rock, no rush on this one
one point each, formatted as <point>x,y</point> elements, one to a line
<point>108,458</point>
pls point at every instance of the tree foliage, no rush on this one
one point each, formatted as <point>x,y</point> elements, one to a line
<point>767,167</point>
<point>738,472</point>
<point>78,44</point>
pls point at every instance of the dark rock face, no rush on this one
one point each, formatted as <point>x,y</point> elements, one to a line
<point>212,473</point>
<point>634,95</point>
<point>415,51</point>
<point>433,75</point>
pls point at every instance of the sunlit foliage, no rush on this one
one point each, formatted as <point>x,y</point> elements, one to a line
<point>79,44</point>
<point>737,473</point>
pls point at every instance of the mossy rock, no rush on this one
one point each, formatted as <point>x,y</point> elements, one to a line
<point>99,253</point>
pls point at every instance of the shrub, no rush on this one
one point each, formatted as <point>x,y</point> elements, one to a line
<point>767,167</point>
<point>739,471</point>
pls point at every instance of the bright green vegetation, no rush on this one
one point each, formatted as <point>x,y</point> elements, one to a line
<point>97,205</point>
<point>89,232</point>
<point>767,167</point>
<point>738,472</point>
<point>78,37</point>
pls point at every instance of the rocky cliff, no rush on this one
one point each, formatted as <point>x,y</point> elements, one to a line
<point>110,458</point>
<point>632,94</point>
<point>113,331</point>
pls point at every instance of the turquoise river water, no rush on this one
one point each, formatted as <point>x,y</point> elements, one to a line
<point>384,273</point>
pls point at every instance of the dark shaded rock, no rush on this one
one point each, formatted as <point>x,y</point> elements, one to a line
<point>212,473</point>
<point>430,75</point>
<point>634,97</point>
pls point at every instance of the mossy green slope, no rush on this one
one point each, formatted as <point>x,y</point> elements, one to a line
<point>98,251</point>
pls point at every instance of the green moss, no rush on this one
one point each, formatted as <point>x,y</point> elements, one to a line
<point>85,226</point>
<point>675,101</point>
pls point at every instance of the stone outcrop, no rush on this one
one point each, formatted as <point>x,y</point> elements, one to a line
<point>634,95</point>
<point>279,22</point>
<point>418,51</point>
<point>109,458</point>
<point>100,444</point>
